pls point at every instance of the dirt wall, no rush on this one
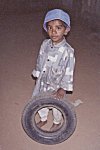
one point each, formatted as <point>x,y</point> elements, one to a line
<point>88,12</point>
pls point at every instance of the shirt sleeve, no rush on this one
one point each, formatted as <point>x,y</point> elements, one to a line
<point>67,81</point>
<point>39,64</point>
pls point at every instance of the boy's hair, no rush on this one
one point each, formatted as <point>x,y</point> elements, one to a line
<point>56,14</point>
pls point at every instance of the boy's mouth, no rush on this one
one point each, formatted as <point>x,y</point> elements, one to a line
<point>54,37</point>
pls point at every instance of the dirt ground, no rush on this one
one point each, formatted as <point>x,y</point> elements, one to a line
<point>20,39</point>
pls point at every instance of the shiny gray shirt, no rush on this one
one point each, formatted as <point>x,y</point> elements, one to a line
<point>55,67</point>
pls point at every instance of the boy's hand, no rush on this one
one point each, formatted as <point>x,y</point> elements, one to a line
<point>59,94</point>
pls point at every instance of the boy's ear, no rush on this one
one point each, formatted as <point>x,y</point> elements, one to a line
<point>67,30</point>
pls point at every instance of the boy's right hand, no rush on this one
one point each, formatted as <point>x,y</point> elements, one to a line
<point>59,94</point>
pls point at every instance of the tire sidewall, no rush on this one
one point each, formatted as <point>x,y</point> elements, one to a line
<point>42,136</point>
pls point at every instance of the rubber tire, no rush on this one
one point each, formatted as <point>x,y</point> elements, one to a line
<point>46,137</point>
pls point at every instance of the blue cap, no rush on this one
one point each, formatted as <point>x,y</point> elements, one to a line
<point>56,14</point>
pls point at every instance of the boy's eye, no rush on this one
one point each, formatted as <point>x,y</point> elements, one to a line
<point>58,27</point>
<point>49,27</point>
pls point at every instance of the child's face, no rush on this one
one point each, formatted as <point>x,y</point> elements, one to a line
<point>56,30</point>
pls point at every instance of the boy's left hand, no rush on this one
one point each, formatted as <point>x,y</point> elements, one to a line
<point>59,94</point>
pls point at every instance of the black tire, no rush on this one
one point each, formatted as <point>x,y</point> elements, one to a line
<point>47,137</point>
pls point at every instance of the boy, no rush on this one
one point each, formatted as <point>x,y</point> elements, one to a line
<point>55,63</point>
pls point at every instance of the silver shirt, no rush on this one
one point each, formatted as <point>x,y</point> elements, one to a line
<point>55,67</point>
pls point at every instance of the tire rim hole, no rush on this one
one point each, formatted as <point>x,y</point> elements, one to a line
<point>50,118</point>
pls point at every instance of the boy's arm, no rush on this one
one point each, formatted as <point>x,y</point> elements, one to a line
<point>67,81</point>
<point>39,64</point>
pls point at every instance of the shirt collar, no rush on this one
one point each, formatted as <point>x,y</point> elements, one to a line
<point>59,44</point>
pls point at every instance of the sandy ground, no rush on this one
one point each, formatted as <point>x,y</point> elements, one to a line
<point>20,38</point>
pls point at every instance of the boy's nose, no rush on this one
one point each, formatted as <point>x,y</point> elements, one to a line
<point>53,31</point>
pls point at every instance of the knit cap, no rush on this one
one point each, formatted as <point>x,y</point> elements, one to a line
<point>56,14</point>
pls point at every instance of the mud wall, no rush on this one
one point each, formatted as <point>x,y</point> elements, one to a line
<point>27,6</point>
<point>85,10</point>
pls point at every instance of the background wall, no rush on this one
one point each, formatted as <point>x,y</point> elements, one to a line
<point>85,10</point>
<point>88,12</point>
<point>26,6</point>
